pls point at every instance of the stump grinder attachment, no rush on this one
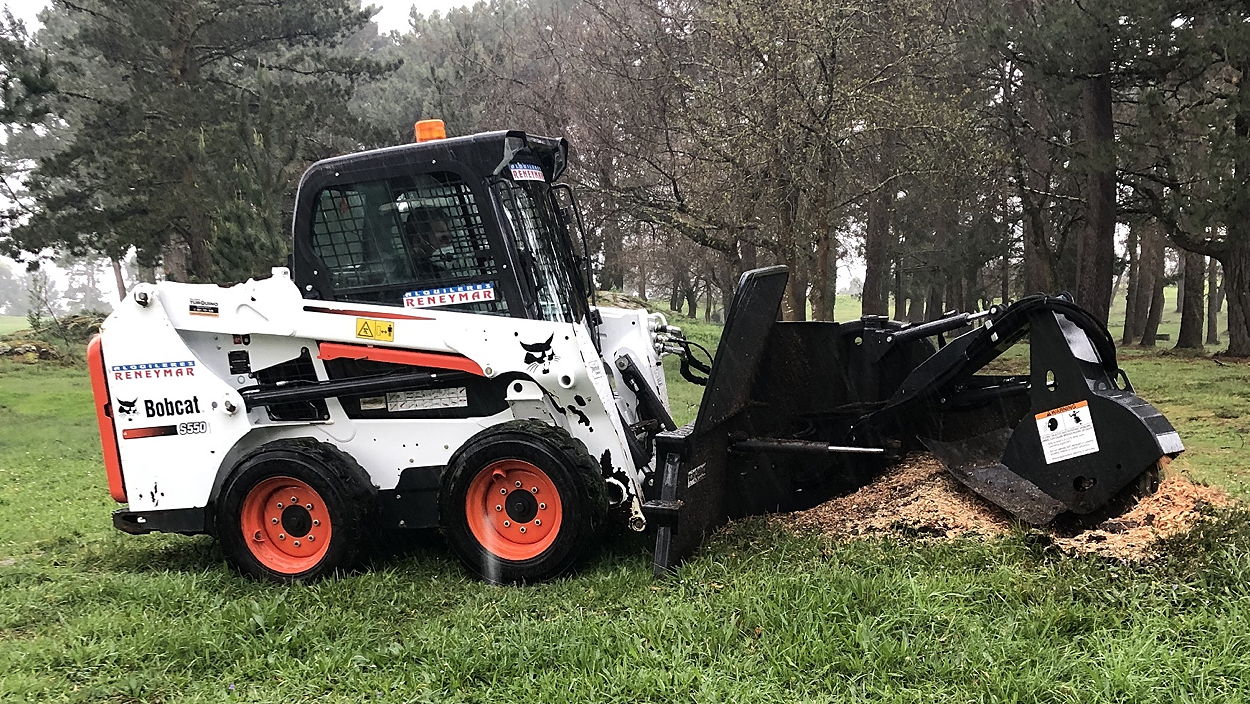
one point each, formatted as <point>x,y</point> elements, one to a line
<point>797,412</point>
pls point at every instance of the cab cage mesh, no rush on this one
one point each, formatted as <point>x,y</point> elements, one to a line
<point>381,239</point>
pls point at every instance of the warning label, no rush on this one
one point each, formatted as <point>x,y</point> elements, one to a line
<point>370,329</point>
<point>1067,432</point>
<point>422,400</point>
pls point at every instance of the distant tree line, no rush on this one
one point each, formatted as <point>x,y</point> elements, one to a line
<point>965,151</point>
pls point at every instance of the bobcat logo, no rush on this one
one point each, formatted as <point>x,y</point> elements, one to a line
<point>127,408</point>
<point>539,355</point>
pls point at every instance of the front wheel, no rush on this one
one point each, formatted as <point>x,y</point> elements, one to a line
<point>293,510</point>
<point>522,502</point>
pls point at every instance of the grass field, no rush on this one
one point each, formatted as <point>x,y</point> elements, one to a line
<point>12,323</point>
<point>90,614</point>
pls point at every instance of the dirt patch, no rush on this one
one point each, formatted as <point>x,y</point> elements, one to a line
<point>918,497</point>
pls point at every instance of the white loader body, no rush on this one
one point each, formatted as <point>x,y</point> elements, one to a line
<point>181,420</point>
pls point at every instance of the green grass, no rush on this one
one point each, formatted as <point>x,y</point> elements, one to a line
<point>12,323</point>
<point>90,614</point>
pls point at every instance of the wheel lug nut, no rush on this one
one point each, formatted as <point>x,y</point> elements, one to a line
<point>273,521</point>
<point>256,536</point>
<point>542,506</point>
<point>312,538</point>
<point>308,506</point>
<point>297,543</point>
<point>503,491</point>
<point>538,521</point>
<point>507,524</point>
<point>294,500</point>
<point>316,522</point>
<point>533,490</point>
<point>279,504</point>
<point>282,536</point>
<point>518,485</point>
<point>498,507</point>
<point>522,529</point>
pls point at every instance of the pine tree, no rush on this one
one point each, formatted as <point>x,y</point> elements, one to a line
<point>192,121</point>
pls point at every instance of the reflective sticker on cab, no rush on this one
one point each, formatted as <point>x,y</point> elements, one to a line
<point>449,296</point>
<point>526,172</point>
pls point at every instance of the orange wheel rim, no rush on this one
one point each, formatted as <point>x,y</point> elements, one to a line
<point>513,509</point>
<point>286,525</point>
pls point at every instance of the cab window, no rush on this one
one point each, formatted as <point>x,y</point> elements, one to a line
<point>415,241</point>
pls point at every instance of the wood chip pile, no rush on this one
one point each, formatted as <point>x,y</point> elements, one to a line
<point>919,498</point>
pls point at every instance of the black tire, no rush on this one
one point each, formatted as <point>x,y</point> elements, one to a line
<point>332,483</point>
<point>506,450</point>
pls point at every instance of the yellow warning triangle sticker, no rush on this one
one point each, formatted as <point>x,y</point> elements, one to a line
<point>364,330</point>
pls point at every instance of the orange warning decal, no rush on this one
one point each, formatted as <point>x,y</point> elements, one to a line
<point>1061,409</point>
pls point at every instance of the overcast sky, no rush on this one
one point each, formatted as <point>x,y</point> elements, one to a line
<point>394,14</point>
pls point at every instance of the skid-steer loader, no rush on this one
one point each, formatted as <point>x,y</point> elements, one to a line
<point>430,358</point>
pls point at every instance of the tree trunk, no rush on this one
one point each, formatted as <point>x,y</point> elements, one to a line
<point>915,309</point>
<point>1150,301</point>
<point>1213,302</point>
<point>1236,261</point>
<point>1032,183</point>
<point>1235,321</point>
<point>900,294</point>
<point>1150,271</point>
<point>933,306</point>
<point>729,273</point>
<point>1157,303</point>
<point>749,255</point>
<point>877,253</point>
<point>1096,251</point>
<point>1005,294</point>
<point>941,275</point>
<point>1236,256</point>
<point>1194,278</point>
<point>795,306</point>
<point>825,278</point>
<point>612,274</point>
<point>119,279</point>
<point>1180,283</point>
<point>174,261</point>
<point>642,276</point>
<point>1134,284</point>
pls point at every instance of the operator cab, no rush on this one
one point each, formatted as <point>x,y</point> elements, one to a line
<point>469,224</point>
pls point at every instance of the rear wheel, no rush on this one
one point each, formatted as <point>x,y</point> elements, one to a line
<point>294,509</point>
<point>522,502</point>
